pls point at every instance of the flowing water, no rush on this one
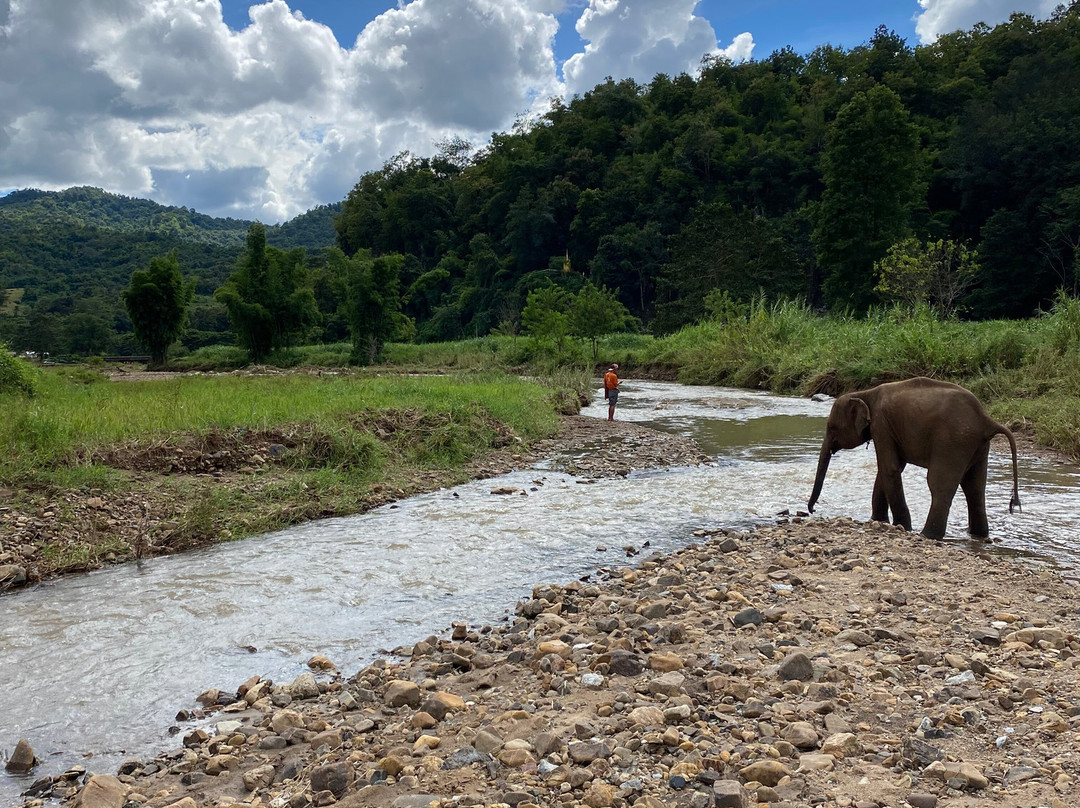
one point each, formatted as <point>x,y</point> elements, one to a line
<point>102,662</point>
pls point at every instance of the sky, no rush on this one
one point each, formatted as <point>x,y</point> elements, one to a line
<point>264,110</point>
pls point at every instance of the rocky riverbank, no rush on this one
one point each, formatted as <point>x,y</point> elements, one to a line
<point>160,511</point>
<point>812,663</point>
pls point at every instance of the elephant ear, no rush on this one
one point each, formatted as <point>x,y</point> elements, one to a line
<point>860,416</point>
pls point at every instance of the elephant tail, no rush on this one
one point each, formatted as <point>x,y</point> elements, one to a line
<point>1015,501</point>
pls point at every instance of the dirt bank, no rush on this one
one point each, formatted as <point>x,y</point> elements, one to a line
<point>165,507</point>
<point>813,663</point>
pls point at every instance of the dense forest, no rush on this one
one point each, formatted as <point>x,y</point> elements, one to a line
<point>824,176</point>
<point>65,257</point>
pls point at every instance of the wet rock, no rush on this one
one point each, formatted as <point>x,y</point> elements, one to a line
<point>321,663</point>
<point>22,758</point>
<point>12,576</point>
<point>796,665</point>
<point>504,490</point>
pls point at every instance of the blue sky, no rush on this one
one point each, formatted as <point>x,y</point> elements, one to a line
<point>265,109</point>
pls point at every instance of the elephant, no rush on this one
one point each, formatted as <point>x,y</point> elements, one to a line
<point>929,423</point>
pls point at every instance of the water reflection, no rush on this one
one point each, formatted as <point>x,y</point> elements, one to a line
<point>103,661</point>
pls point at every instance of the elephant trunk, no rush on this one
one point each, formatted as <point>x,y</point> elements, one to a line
<point>822,467</point>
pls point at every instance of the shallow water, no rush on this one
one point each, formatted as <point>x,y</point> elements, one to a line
<point>103,661</point>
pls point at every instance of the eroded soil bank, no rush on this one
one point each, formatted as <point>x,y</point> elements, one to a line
<point>165,507</point>
<point>812,663</point>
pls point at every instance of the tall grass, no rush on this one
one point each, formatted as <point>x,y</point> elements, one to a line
<point>1027,371</point>
<point>51,429</point>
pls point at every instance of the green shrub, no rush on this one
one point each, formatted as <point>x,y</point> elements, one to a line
<point>16,376</point>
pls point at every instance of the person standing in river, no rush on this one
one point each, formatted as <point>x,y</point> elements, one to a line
<point>611,391</point>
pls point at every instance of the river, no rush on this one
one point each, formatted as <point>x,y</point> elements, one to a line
<point>101,663</point>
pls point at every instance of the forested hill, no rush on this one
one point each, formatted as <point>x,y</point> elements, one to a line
<point>791,175</point>
<point>67,254</point>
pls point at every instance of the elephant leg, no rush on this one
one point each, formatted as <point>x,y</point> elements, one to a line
<point>892,485</point>
<point>943,485</point>
<point>879,502</point>
<point>973,484</point>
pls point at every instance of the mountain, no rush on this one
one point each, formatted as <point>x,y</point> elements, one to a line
<point>68,254</point>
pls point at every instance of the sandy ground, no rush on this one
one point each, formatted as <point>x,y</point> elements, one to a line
<point>811,663</point>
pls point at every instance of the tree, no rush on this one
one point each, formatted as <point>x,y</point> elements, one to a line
<point>872,169</point>
<point>268,296</point>
<point>936,273</point>
<point>546,315</point>
<point>595,312</point>
<point>157,301</point>
<point>372,303</point>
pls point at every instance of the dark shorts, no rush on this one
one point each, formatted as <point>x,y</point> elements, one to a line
<point>612,397</point>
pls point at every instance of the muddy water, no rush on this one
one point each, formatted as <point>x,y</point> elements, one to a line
<point>102,662</point>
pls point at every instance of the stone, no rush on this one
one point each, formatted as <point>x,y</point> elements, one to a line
<point>426,743</point>
<point>102,791</point>
<point>855,637</point>
<point>670,684</point>
<point>625,663</point>
<point>665,662</point>
<point>585,753</point>
<point>748,617</point>
<point>283,719</point>
<point>487,742</point>
<point>392,765</point>
<point>969,775</point>
<point>12,575</point>
<point>22,758</point>
<point>647,716</point>
<point>816,763</point>
<point>796,665</point>
<point>515,757</point>
<point>801,735</point>
<point>321,663</point>
<point>400,693</point>
<point>599,795</point>
<point>222,763</point>
<point>729,794</point>
<point>450,702</point>
<point>766,772</point>
<point>187,802</point>
<point>593,681</point>
<point>466,756</point>
<point>841,745</point>
<point>259,777</point>
<point>920,799</point>
<point>304,686</point>
<point>423,720</point>
<point>334,777</point>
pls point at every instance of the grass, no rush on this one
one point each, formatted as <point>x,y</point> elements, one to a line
<point>1028,372</point>
<point>52,431</point>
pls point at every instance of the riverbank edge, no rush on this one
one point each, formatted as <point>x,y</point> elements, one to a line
<point>812,662</point>
<point>143,521</point>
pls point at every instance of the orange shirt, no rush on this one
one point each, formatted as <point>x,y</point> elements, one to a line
<point>611,381</point>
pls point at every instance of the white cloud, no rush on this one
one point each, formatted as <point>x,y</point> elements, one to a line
<point>945,16</point>
<point>161,98</point>
<point>640,38</point>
